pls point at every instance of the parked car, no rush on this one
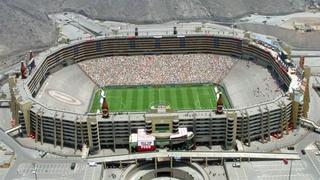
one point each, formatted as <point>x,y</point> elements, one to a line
<point>290,148</point>
<point>92,164</point>
<point>236,165</point>
<point>73,165</point>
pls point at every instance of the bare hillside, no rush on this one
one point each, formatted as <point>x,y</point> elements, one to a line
<point>21,30</point>
<point>24,24</point>
<point>142,11</point>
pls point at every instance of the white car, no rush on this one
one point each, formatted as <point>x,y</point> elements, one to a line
<point>236,165</point>
<point>92,164</point>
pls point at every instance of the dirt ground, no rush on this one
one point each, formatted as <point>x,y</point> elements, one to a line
<point>314,22</point>
<point>296,39</point>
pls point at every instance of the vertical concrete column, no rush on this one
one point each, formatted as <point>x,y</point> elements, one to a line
<point>285,117</point>
<point>242,127</point>
<point>13,104</point>
<point>306,95</point>
<point>231,129</point>
<point>261,124</point>
<point>129,131</point>
<point>248,127</point>
<point>80,124</point>
<point>297,97</point>
<point>284,122</point>
<point>281,119</point>
<point>171,165</point>
<point>113,134</point>
<point>155,166</point>
<point>93,132</point>
<point>268,121</point>
<point>129,121</point>
<point>41,127</point>
<point>75,134</point>
<point>89,132</point>
<point>55,129</point>
<point>210,130</point>
<point>37,128</point>
<point>194,127</point>
<point>39,124</point>
<point>81,129</point>
<point>61,130</point>
<point>25,107</point>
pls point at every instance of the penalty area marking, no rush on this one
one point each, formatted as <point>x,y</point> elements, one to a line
<point>63,97</point>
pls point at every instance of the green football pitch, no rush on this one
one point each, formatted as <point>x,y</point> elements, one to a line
<point>141,98</point>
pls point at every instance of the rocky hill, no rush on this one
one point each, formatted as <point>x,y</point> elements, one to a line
<point>23,28</point>
<point>149,11</point>
<point>24,24</point>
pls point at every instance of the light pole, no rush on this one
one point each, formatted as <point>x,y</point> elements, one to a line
<point>232,25</point>
<point>290,170</point>
<point>34,171</point>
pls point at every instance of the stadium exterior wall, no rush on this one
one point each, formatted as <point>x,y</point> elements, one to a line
<point>63,128</point>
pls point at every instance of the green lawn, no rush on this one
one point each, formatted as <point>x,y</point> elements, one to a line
<point>123,99</point>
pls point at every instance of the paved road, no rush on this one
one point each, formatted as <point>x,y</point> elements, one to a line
<point>267,170</point>
<point>313,113</point>
<point>20,151</point>
<point>311,161</point>
<point>305,53</point>
<point>196,154</point>
<point>310,124</point>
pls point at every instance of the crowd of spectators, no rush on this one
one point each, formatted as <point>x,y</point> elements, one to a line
<point>249,83</point>
<point>158,69</point>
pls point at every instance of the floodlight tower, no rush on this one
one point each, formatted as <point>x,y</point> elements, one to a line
<point>175,32</point>
<point>136,33</point>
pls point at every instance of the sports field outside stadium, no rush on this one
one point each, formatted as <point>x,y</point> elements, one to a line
<point>141,98</point>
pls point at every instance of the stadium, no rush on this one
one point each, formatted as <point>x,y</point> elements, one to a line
<point>91,93</point>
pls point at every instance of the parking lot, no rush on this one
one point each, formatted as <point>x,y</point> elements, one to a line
<point>46,170</point>
<point>275,170</point>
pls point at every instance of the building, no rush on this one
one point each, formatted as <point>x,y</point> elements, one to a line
<point>62,128</point>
